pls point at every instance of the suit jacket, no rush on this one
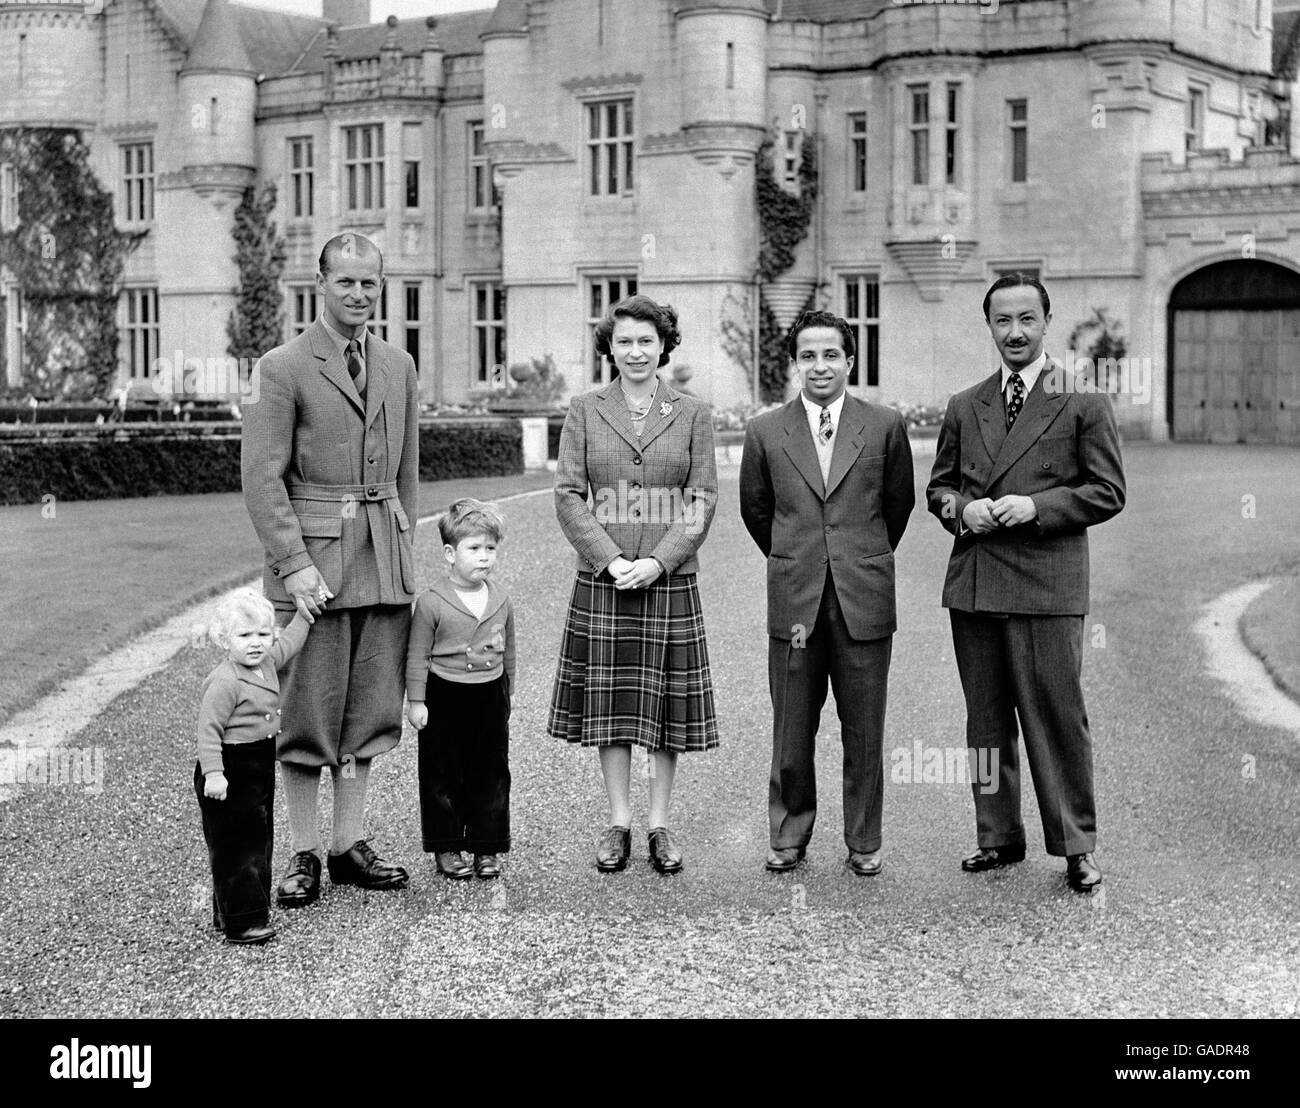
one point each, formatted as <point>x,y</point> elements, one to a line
<point>1064,453</point>
<point>852,522</point>
<point>653,496</point>
<point>329,481</point>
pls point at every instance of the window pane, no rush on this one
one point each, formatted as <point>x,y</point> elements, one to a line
<point>851,299</point>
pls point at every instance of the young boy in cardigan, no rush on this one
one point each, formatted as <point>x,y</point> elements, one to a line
<point>234,777</point>
<point>460,666</point>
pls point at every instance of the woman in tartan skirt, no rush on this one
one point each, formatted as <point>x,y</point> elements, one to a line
<point>635,492</point>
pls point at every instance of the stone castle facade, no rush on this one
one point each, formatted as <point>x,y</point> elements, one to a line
<point>522,166</point>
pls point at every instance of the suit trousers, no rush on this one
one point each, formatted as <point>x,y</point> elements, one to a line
<point>342,693</point>
<point>1030,667</point>
<point>240,833</point>
<point>858,670</point>
<point>464,767</point>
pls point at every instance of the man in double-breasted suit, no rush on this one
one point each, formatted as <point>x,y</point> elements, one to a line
<point>825,491</point>
<point>1026,461</point>
<point>330,474</point>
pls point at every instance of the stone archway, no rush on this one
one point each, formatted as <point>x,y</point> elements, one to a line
<point>1234,354</point>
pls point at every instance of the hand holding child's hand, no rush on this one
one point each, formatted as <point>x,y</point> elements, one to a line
<point>215,785</point>
<point>418,714</point>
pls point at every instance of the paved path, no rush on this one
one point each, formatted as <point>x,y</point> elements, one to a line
<point>103,895</point>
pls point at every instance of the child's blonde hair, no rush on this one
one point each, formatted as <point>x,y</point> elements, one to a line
<point>243,604</point>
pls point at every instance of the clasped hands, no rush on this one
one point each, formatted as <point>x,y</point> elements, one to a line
<point>634,575</point>
<point>984,515</point>
<point>307,588</point>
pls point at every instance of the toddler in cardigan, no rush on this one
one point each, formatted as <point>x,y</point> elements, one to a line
<point>234,777</point>
<point>460,667</point>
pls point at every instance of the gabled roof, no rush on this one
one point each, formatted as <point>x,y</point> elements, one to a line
<point>825,11</point>
<point>277,43</point>
<point>272,40</point>
<point>457,33</point>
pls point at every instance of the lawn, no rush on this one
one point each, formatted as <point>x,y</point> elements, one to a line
<point>82,577</point>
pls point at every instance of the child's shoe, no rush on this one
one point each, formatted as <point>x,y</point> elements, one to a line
<point>252,935</point>
<point>451,864</point>
<point>487,865</point>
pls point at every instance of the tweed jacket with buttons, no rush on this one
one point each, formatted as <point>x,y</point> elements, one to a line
<point>639,497</point>
<point>331,481</point>
<point>242,705</point>
<point>447,639</point>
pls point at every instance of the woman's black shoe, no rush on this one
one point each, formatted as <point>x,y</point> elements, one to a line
<point>614,849</point>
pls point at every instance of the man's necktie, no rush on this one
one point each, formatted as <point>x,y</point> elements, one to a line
<point>1017,400</point>
<point>356,368</point>
<point>824,428</point>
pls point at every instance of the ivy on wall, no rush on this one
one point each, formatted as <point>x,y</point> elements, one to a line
<point>256,322</point>
<point>66,255</point>
<point>783,222</point>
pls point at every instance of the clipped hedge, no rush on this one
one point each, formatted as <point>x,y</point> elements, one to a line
<point>105,465</point>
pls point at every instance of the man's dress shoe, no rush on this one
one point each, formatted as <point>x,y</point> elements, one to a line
<point>360,865</point>
<point>614,849</point>
<point>865,863</point>
<point>1082,872</point>
<point>452,864</point>
<point>487,865</point>
<point>782,859</point>
<point>252,935</point>
<point>301,885</point>
<point>991,857</point>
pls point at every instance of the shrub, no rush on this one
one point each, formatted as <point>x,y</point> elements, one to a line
<point>107,463</point>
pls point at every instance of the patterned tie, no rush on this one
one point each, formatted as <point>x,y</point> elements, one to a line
<point>824,428</point>
<point>1017,400</point>
<point>357,368</point>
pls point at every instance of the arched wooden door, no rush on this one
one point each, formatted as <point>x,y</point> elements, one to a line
<point>1234,344</point>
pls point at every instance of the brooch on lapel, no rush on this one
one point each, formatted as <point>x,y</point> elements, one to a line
<point>665,408</point>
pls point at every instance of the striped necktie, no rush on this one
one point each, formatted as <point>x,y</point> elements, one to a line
<point>824,428</point>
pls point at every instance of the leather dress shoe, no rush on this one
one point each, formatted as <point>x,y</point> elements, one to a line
<point>865,863</point>
<point>614,849</point>
<point>252,935</point>
<point>993,857</point>
<point>360,865</point>
<point>451,863</point>
<point>664,853</point>
<point>1082,872</point>
<point>782,859</point>
<point>301,885</point>
<point>487,865</point>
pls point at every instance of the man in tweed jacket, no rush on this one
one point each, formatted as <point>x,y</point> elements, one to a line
<point>826,489</point>
<point>330,472</point>
<point>1026,462</point>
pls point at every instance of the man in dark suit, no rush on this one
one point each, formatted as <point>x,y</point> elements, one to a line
<point>825,491</point>
<point>331,471</point>
<point>1026,461</point>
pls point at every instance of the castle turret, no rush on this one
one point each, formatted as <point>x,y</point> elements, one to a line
<point>724,62</point>
<point>216,99</point>
<point>52,65</point>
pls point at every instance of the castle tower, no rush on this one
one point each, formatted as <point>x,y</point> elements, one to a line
<point>215,105</point>
<point>51,61</point>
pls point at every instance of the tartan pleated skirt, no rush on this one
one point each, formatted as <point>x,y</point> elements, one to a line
<point>634,667</point>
